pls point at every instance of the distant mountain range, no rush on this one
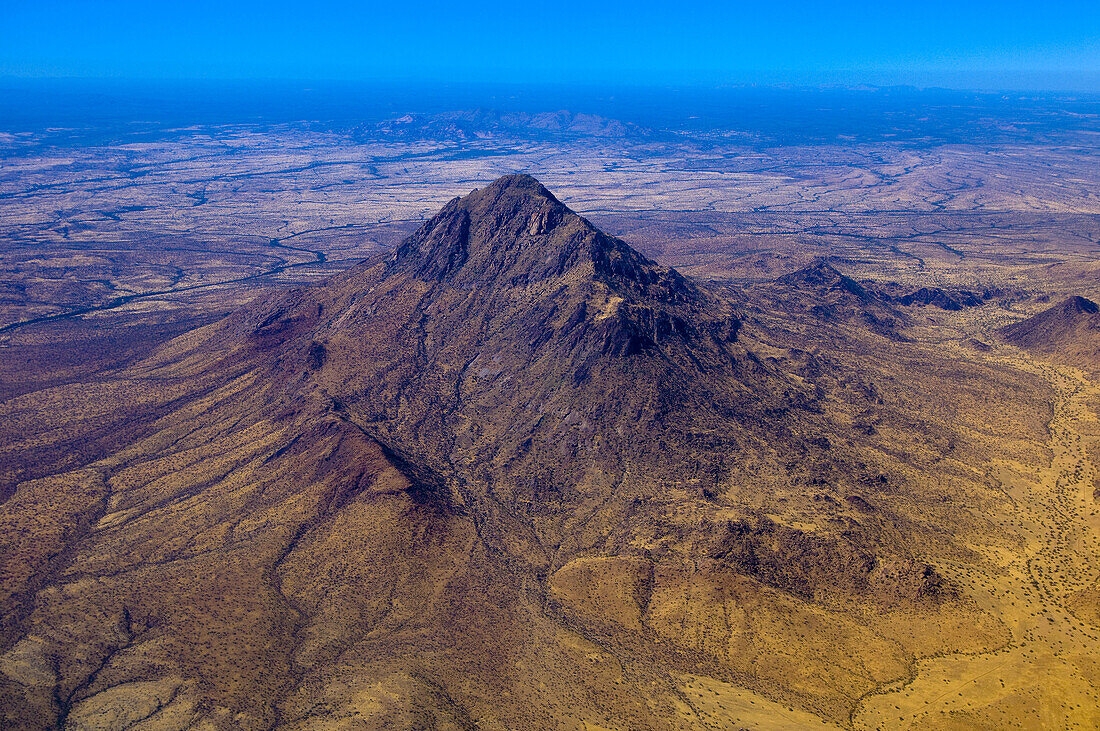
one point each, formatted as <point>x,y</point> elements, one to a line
<point>488,123</point>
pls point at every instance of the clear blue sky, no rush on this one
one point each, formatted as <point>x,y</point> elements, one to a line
<point>967,43</point>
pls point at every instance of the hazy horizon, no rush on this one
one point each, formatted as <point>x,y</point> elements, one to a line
<point>779,112</point>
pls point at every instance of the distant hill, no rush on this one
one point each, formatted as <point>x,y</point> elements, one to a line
<point>1069,330</point>
<point>936,297</point>
<point>830,295</point>
<point>825,279</point>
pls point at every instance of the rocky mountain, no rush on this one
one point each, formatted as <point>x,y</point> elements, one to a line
<point>508,331</point>
<point>830,295</point>
<point>510,474</point>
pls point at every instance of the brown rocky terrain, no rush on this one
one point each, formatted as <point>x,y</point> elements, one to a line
<point>514,474</point>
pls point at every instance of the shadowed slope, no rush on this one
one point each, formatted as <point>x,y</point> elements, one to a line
<point>1070,330</point>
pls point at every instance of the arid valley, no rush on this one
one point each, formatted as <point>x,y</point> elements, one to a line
<point>548,419</point>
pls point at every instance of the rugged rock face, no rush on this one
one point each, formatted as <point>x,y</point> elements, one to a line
<point>512,474</point>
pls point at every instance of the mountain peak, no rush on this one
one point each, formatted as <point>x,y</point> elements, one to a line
<point>515,233</point>
<point>504,308</point>
<point>521,182</point>
<point>508,226</point>
<point>822,276</point>
<point>1078,304</point>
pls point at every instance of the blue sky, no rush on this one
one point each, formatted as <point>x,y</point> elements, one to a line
<point>972,44</point>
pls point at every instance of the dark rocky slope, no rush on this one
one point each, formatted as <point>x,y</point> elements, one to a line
<point>1069,330</point>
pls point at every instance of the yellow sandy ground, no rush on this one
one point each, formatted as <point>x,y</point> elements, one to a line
<point>1047,675</point>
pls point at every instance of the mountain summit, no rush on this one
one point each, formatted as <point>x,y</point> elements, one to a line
<point>516,233</point>
<point>507,325</point>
